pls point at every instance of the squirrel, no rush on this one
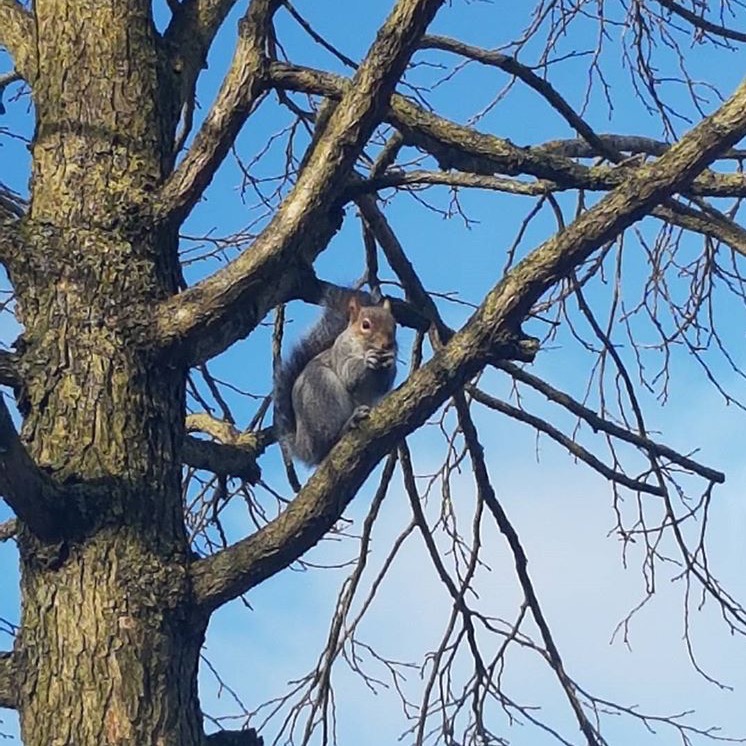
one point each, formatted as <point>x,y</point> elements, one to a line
<point>335,374</point>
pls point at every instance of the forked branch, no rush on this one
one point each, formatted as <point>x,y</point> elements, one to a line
<point>487,493</point>
<point>239,93</point>
<point>711,223</point>
<point>322,500</point>
<point>213,314</point>
<point>188,38</point>
<point>464,148</point>
<point>542,426</point>
<point>233,455</point>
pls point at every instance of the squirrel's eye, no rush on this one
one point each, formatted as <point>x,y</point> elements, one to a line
<point>365,325</point>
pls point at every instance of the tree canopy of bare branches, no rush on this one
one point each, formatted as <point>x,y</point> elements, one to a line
<point>550,195</point>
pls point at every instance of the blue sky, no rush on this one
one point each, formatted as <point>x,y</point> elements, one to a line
<point>563,511</point>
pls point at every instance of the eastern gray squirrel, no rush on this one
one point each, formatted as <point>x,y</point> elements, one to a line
<point>335,374</point>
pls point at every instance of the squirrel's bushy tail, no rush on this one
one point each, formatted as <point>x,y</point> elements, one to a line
<point>320,337</point>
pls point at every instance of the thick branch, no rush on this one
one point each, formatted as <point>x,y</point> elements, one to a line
<point>221,459</point>
<point>197,20</point>
<point>17,35</point>
<point>188,38</point>
<point>27,490</point>
<point>464,148</point>
<point>209,317</point>
<point>459,139</point>
<point>8,681</point>
<point>321,501</point>
<point>240,91</point>
<point>234,454</point>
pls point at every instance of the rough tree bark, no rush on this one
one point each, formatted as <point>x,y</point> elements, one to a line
<point>114,606</point>
<point>111,629</point>
<point>109,641</point>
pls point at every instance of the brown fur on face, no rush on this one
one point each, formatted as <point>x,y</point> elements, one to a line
<point>374,323</point>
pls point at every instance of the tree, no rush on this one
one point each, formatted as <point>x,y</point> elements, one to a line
<point>121,566</point>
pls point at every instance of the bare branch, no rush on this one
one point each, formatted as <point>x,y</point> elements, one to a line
<point>322,500</point>
<point>306,26</point>
<point>571,445</point>
<point>543,87</point>
<point>717,226</point>
<point>631,144</point>
<point>188,38</point>
<point>702,23</point>
<point>481,475</point>
<point>221,459</point>
<point>464,148</point>
<point>207,318</point>
<point>709,223</point>
<point>453,178</point>
<point>8,681</point>
<point>27,490</point>
<point>17,35</point>
<point>599,423</point>
<point>712,223</point>
<point>239,93</point>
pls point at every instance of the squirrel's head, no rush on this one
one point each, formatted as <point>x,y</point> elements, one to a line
<point>374,324</point>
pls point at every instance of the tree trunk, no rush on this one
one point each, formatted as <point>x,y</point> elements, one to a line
<point>105,661</point>
<point>110,639</point>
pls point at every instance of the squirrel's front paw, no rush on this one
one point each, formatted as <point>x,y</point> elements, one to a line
<point>359,414</point>
<point>378,360</point>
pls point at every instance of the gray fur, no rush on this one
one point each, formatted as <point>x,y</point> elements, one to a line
<point>329,384</point>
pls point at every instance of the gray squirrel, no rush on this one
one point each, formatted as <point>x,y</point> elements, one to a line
<point>335,374</point>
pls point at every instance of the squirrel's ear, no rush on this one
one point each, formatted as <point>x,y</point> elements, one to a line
<point>387,305</point>
<point>353,307</point>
